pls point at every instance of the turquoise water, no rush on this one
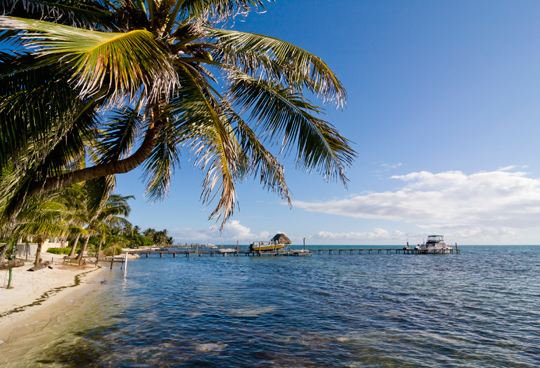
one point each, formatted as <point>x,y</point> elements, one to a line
<point>477,309</point>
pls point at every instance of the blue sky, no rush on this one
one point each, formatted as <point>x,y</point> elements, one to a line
<point>443,107</point>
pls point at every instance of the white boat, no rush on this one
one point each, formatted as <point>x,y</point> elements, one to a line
<point>208,246</point>
<point>435,244</point>
<point>227,250</point>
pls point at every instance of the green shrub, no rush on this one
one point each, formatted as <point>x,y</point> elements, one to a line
<point>66,250</point>
<point>109,251</point>
<point>59,250</point>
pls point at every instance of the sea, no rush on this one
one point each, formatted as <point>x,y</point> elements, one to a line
<point>480,308</point>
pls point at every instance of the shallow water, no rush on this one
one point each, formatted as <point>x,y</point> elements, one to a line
<point>476,309</point>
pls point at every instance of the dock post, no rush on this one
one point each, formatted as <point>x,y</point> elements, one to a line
<point>224,254</point>
<point>174,255</point>
<point>187,254</point>
<point>160,254</point>
<point>350,252</point>
<point>320,252</point>
<point>125,263</point>
<point>146,255</point>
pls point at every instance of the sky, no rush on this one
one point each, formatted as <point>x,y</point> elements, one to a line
<point>443,109</point>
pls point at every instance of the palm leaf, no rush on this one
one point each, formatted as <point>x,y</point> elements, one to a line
<point>119,134</point>
<point>218,10</point>
<point>277,110</point>
<point>256,51</point>
<point>259,161</point>
<point>81,13</point>
<point>129,64</point>
<point>203,127</point>
<point>160,166</point>
<point>51,157</point>
<point>37,104</point>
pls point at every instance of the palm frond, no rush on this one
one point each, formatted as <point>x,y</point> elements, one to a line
<point>81,13</point>
<point>258,160</point>
<point>128,64</point>
<point>119,134</point>
<point>37,107</point>
<point>276,57</point>
<point>205,129</point>
<point>278,111</point>
<point>97,193</point>
<point>218,10</point>
<point>160,166</point>
<point>31,174</point>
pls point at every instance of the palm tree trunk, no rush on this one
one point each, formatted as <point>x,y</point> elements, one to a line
<point>97,171</point>
<point>83,249</point>
<point>74,247</point>
<point>38,252</point>
<point>99,251</point>
<point>3,253</point>
<point>111,168</point>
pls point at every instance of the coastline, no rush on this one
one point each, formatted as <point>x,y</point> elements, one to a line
<point>40,296</point>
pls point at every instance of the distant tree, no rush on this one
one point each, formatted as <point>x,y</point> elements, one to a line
<point>139,240</point>
<point>149,233</point>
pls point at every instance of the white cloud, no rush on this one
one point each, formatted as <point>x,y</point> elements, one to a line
<point>388,166</point>
<point>232,231</point>
<point>482,203</point>
<point>375,235</point>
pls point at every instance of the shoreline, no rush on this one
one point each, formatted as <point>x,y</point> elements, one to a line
<point>40,296</point>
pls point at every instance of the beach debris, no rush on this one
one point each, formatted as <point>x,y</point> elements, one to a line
<point>40,266</point>
<point>12,264</point>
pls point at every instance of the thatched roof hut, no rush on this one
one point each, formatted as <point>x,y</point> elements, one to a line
<point>281,239</point>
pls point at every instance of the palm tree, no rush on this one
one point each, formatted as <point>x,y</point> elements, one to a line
<point>131,83</point>
<point>42,218</point>
<point>110,213</point>
<point>94,209</point>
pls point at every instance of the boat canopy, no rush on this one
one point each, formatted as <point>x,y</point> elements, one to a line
<point>435,238</point>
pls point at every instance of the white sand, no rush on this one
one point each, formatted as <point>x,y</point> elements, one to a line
<point>29,287</point>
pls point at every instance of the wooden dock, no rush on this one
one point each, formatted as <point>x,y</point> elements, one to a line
<point>292,253</point>
<point>213,253</point>
<point>381,251</point>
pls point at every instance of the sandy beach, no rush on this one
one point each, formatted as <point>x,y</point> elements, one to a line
<point>38,296</point>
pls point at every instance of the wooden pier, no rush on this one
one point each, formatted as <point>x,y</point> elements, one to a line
<point>292,253</point>
<point>214,253</point>
<point>381,251</point>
